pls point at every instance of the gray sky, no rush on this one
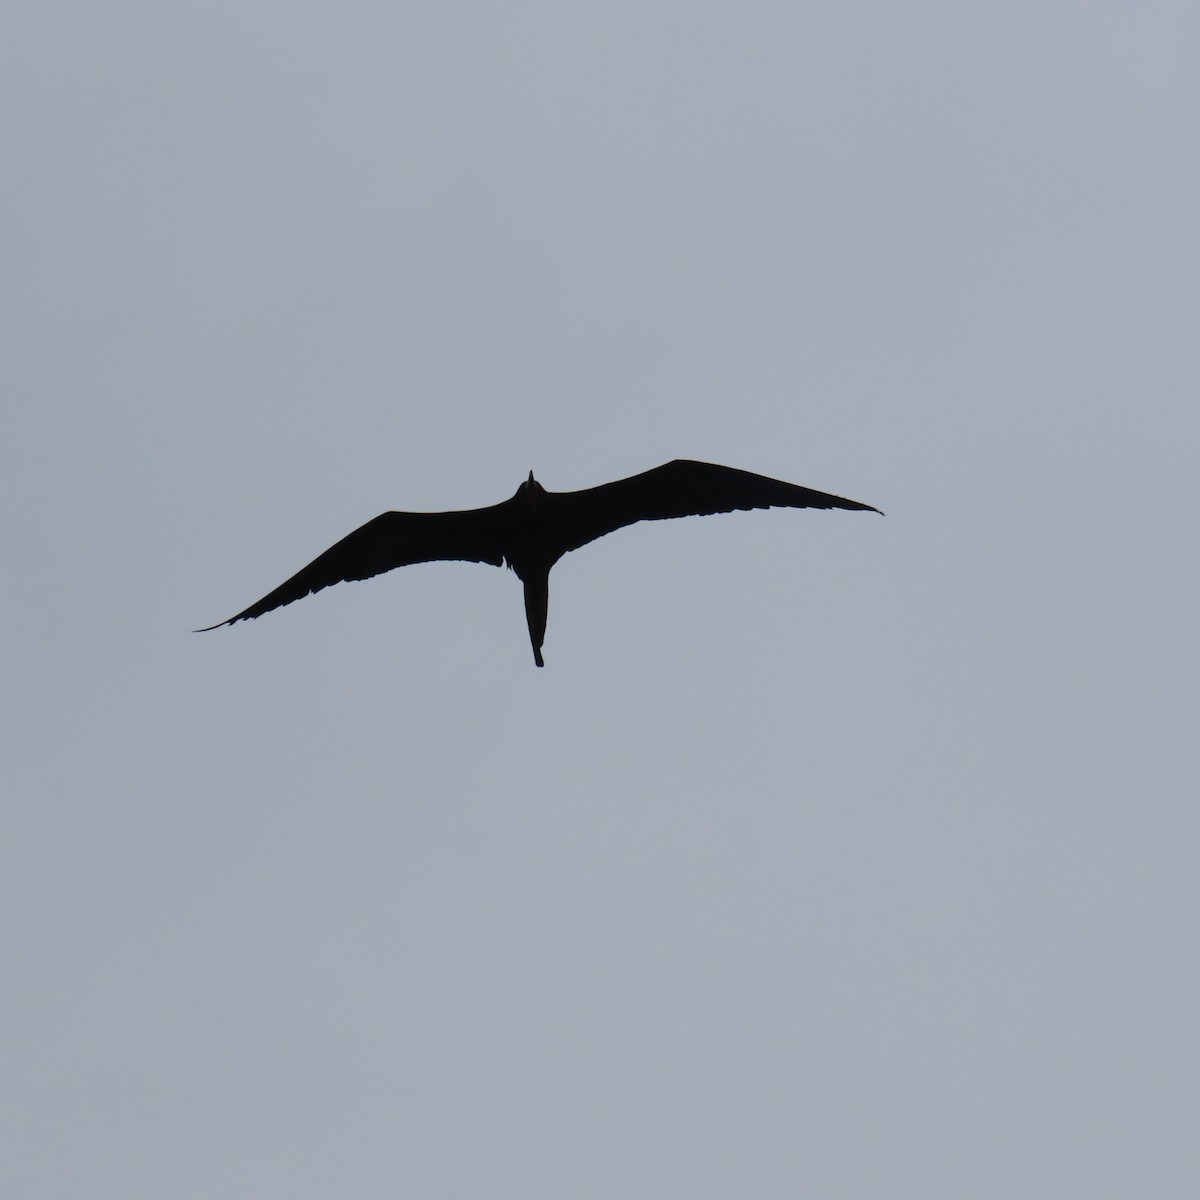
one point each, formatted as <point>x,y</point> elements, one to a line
<point>830,856</point>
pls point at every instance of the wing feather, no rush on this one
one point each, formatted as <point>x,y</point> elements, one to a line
<point>393,539</point>
<point>682,488</point>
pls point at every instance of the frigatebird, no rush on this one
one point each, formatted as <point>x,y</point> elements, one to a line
<point>534,528</point>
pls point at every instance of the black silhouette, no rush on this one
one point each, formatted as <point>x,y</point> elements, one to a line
<point>531,531</point>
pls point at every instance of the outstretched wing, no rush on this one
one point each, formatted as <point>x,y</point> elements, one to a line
<point>682,488</point>
<point>393,539</point>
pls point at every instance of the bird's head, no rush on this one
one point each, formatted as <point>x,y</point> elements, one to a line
<point>531,492</point>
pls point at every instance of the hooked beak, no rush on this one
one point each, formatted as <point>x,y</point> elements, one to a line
<point>532,492</point>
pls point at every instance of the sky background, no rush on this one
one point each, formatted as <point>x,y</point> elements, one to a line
<point>831,855</point>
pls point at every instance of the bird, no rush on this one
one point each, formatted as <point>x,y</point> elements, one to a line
<point>534,528</point>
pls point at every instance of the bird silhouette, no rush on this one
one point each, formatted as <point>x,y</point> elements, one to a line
<point>534,528</point>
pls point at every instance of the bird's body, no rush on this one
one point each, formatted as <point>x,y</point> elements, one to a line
<point>533,529</point>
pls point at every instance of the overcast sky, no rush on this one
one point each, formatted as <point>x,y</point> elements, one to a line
<point>831,855</point>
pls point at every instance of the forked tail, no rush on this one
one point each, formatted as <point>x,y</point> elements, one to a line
<point>537,601</point>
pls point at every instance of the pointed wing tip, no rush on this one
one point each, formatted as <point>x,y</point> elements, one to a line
<point>856,506</point>
<point>210,628</point>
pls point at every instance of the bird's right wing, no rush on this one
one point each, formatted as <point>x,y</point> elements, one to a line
<point>393,539</point>
<point>682,488</point>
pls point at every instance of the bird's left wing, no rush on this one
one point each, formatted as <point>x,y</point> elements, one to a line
<point>682,488</point>
<point>393,539</point>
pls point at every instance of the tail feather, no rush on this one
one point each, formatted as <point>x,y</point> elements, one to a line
<point>537,602</point>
